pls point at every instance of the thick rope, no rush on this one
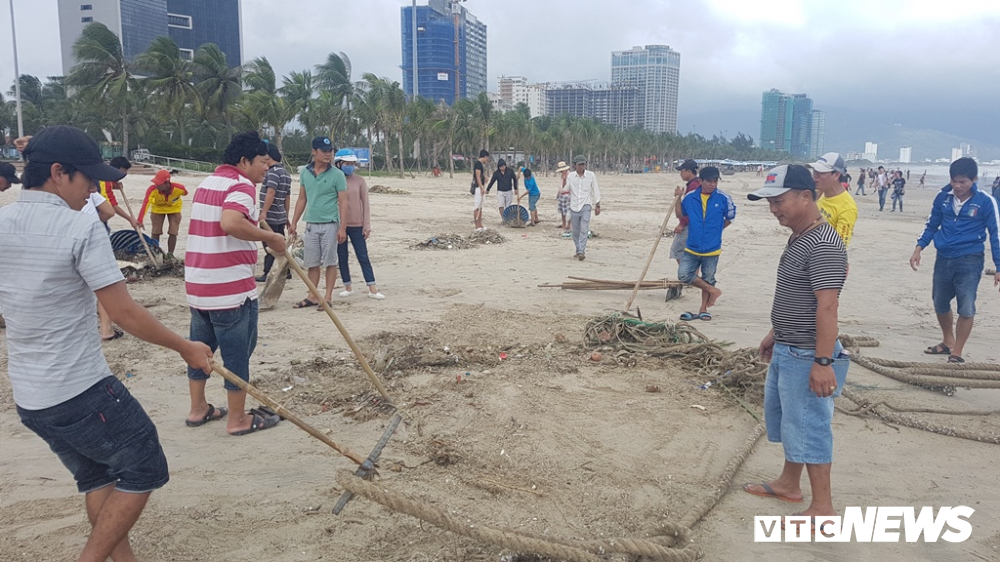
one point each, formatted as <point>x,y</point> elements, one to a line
<point>945,382</point>
<point>560,549</point>
<point>881,412</point>
<point>940,366</point>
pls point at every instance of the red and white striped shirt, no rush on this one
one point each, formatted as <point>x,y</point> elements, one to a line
<point>219,268</point>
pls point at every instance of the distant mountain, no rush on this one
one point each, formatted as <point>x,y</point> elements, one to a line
<point>848,130</point>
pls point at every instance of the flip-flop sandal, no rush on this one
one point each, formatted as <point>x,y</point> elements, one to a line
<point>305,303</point>
<point>259,423</point>
<point>265,411</point>
<point>705,316</point>
<point>939,349</point>
<point>768,493</point>
<point>209,416</point>
<point>955,359</point>
<point>688,316</point>
<point>118,333</point>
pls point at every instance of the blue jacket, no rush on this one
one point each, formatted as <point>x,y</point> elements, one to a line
<point>705,229</point>
<point>960,235</point>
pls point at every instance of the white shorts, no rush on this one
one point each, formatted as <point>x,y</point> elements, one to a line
<point>477,200</point>
<point>505,199</point>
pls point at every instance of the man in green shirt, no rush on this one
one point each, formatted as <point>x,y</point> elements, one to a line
<point>322,193</point>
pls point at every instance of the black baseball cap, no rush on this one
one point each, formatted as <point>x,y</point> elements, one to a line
<point>688,164</point>
<point>709,173</point>
<point>782,179</point>
<point>9,172</point>
<point>322,143</point>
<point>273,152</point>
<point>63,144</point>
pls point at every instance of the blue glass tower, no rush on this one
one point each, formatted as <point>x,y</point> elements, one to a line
<point>192,23</point>
<point>436,42</point>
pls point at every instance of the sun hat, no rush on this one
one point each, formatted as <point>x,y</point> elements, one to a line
<point>562,166</point>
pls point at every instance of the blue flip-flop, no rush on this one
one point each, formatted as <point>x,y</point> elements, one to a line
<point>688,316</point>
<point>705,316</point>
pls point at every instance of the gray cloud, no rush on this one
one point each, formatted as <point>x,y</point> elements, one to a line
<point>933,64</point>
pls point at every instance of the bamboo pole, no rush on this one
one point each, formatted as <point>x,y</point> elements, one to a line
<point>652,252</point>
<point>155,259</point>
<point>281,411</point>
<point>336,321</point>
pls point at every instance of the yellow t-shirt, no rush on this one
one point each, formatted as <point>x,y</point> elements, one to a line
<point>704,211</point>
<point>841,212</point>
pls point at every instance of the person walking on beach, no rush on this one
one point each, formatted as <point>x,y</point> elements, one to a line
<point>709,212</point>
<point>275,198</point>
<point>563,197</point>
<point>996,187</point>
<point>882,185</point>
<point>861,183</point>
<point>898,190</point>
<point>584,196</point>
<point>108,188</point>
<point>322,195</point>
<point>163,199</point>
<point>922,176</point>
<point>807,364</point>
<point>357,216</point>
<point>689,173</point>
<point>506,183</point>
<point>961,219</point>
<point>835,202</point>
<point>219,278</point>
<point>56,260</point>
<point>479,188</point>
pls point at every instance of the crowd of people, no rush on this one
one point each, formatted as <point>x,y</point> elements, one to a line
<point>60,270</point>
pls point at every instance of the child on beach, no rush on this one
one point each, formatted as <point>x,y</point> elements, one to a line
<point>533,194</point>
<point>163,199</point>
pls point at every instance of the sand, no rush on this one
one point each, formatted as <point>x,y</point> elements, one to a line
<point>546,441</point>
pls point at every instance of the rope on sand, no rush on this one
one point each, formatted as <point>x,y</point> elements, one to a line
<point>881,411</point>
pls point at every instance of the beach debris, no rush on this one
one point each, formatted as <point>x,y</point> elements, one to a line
<point>459,242</point>
<point>386,190</point>
<point>698,407</point>
<point>586,284</point>
<point>596,356</point>
<point>652,388</point>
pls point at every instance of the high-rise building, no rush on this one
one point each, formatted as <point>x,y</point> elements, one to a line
<point>956,153</point>
<point>444,27</point>
<point>654,71</point>
<point>802,107</point>
<point>618,106</point>
<point>516,89</point>
<point>776,114</point>
<point>191,23</point>
<point>817,134</point>
<point>906,154</point>
<point>871,148</point>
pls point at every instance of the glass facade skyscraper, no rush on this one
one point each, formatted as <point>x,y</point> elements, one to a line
<point>192,23</point>
<point>655,71</point>
<point>436,44</point>
<point>789,123</point>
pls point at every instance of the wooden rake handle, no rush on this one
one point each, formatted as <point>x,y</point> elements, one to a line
<point>652,253</point>
<point>336,321</point>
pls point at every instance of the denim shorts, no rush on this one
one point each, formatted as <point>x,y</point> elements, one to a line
<point>103,437</point>
<point>319,244</point>
<point>533,202</point>
<point>793,414</point>
<point>689,268</point>
<point>957,278</point>
<point>233,332</point>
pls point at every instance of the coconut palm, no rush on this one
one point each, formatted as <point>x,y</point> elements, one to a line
<point>103,74</point>
<point>264,104</point>
<point>170,78</point>
<point>220,86</point>
<point>300,90</point>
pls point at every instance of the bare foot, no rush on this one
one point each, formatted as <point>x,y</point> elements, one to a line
<point>713,296</point>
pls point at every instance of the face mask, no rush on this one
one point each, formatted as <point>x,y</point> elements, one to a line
<point>348,170</point>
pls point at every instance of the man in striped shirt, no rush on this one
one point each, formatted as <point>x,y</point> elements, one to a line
<point>219,277</point>
<point>808,365</point>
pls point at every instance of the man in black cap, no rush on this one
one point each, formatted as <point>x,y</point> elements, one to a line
<point>808,366</point>
<point>321,196</point>
<point>689,173</point>
<point>8,176</point>
<point>54,261</point>
<point>709,210</point>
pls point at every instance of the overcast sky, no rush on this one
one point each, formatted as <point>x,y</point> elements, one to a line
<point>930,63</point>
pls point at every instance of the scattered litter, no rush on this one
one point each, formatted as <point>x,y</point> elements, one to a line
<point>456,241</point>
<point>386,190</point>
<point>698,406</point>
<point>652,388</point>
<point>287,388</point>
<point>596,356</point>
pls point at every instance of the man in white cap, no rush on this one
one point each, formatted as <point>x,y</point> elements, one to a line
<point>835,201</point>
<point>562,199</point>
<point>808,366</point>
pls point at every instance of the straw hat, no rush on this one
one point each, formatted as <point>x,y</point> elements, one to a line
<point>562,167</point>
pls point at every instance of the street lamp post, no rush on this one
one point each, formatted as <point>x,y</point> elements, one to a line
<point>17,74</point>
<point>413,16</point>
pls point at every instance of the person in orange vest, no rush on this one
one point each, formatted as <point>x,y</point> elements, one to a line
<point>163,199</point>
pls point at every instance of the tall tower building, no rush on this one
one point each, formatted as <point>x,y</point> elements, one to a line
<point>451,51</point>
<point>191,23</point>
<point>776,121</point>
<point>655,72</point>
<point>789,123</point>
<point>817,136</point>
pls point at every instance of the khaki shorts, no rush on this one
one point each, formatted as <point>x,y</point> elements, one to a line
<point>477,200</point>
<point>173,226</point>
<point>505,199</point>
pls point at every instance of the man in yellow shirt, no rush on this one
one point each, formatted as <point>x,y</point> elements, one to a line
<point>163,199</point>
<point>835,202</point>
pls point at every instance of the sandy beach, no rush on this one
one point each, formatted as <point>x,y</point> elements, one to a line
<point>546,441</point>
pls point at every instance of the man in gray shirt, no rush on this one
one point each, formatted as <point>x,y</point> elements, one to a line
<point>275,197</point>
<point>54,261</point>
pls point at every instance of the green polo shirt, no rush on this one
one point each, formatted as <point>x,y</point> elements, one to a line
<point>321,194</point>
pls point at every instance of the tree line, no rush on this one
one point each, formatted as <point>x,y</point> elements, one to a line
<point>190,108</point>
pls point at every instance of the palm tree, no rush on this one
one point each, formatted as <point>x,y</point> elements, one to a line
<point>103,75</point>
<point>170,78</point>
<point>220,85</point>
<point>419,114</point>
<point>334,76</point>
<point>299,89</point>
<point>484,114</point>
<point>264,102</point>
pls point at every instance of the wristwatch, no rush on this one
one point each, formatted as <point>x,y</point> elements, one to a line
<point>824,361</point>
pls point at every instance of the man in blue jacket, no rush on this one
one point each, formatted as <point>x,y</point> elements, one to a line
<point>960,219</point>
<point>709,212</point>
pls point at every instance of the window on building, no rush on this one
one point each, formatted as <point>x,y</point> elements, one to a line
<point>87,19</point>
<point>179,21</point>
<point>187,54</point>
<point>86,7</point>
